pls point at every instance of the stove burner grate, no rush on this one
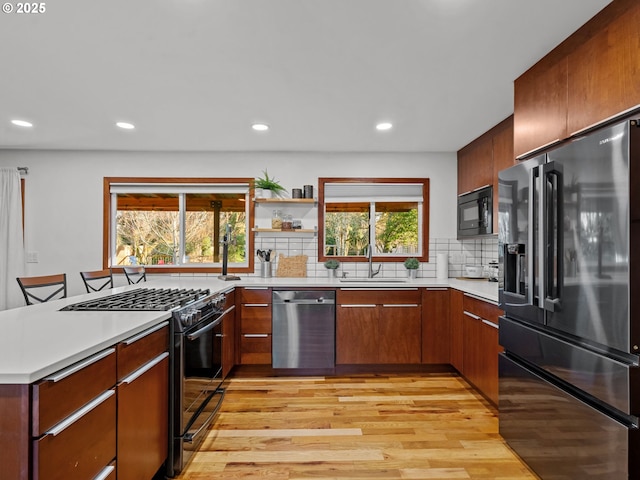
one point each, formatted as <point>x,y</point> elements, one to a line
<point>141,299</point>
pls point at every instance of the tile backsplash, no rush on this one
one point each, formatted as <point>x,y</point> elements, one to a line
<point>460,252</point>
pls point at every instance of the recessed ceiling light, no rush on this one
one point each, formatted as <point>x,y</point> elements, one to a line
<point>126,125</point>
<point>260,127</point>
<point>22,123</point>
<point>384,126</point>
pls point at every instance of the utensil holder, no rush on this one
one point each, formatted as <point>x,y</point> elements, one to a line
<point>265,269</point>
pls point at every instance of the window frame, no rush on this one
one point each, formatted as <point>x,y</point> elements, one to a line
<point>107,212</point>
<point>424,257</point>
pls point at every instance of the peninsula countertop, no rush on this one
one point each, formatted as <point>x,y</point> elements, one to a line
<point>39,340</point>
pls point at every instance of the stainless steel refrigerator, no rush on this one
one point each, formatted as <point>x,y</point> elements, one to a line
<point>569,251</point>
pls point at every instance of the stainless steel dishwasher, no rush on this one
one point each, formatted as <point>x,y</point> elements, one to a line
<point>304,325</point>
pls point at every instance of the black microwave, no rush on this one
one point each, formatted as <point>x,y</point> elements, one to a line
<point>475,213</point>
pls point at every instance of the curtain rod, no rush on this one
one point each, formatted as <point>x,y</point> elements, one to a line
<point>24,170</point>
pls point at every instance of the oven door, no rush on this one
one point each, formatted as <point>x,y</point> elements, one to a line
<point>197,379</point>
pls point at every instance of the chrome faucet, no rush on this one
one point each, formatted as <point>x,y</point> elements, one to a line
<point>370,258</point>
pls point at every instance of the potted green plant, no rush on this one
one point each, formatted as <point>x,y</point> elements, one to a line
<point>332,267</point>
<point>268,186</point>
<point>412,264</point>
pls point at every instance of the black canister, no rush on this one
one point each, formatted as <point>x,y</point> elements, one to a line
<point>296,193</point>
<point>308,191</point>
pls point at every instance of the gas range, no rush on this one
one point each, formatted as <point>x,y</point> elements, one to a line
<point>145,299</point>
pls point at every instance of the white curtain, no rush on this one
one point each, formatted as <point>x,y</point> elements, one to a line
<point>12,263</point>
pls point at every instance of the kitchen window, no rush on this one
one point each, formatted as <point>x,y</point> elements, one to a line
<point>391,214</point>
<point>178,225</point>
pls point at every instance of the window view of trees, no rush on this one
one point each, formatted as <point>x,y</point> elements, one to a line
<point>391,214</point>
<point>148,229</point>
<point>347,227</point>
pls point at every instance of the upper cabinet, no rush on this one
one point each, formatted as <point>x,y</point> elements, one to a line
<point>588,78</point>
<point>603,71</point>
<point>475,165</point>
<point>540,106</point>
<point>480,161</point>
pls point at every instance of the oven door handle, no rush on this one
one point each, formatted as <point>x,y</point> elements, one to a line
<point>189,436</point>
<point>203,330</point>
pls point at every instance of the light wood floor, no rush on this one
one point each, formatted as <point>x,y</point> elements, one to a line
<point>356,427</point>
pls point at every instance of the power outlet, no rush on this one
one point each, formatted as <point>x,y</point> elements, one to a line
<point>32,257</point>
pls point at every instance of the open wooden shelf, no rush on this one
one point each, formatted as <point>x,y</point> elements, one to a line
<point>285,200</point>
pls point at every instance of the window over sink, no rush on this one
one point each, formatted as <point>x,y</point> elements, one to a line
<point>174,225</point>
<point>390,214</point>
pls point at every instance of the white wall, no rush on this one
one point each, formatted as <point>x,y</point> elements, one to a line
<point>64,190</point>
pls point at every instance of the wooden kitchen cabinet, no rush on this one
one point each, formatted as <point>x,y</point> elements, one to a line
<point>255,326</point>
<point>540,106</point>
<point>400,332</point>
<point>378,326</point>
<point>143,403</point>
<point>480,161</point>
<point>357,334</point>
<point>436,336</point>
<point>83,448</point>
<point>475,165</point>
<point>588,78</point>
<point>603,70</point>
<point>229,333</point>
<point>480,345</point>
<point>74,419</point>
<point>456,330</point>
<point>101,415</point>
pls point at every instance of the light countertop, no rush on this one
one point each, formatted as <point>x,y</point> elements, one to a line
<point>39,340</point>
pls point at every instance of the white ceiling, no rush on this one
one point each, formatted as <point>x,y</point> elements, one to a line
<point>193,75</point>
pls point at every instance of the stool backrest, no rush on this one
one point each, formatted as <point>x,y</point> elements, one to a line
<point>135,274</point>
<point>43,288</point>
<point>96,280</point>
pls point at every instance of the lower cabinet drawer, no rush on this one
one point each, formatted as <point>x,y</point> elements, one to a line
<point>139,349</point>
<point>78,449</point>
<point>59,395</point>
<point>255,349</point>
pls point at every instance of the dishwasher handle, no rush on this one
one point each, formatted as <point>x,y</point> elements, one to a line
<point>301,301</point>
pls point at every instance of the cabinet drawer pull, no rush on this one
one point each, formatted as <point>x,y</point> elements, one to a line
<point>256,335</point>
<point>79,366</point>
<point>137,337</point>
<point>469,314</point>
<point>106,471</point>
<point>70,420</point>
<point>363,305</point>
<point>491,324</point>
<point>145,368</point>
<point>256,288</point>
<point>437,289</point>
<point>400,305</point>
<point>255,304</point>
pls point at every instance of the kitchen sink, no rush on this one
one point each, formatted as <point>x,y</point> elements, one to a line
<point>373,280</point>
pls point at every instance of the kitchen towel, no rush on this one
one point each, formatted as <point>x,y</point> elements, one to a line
<point>442,266</point>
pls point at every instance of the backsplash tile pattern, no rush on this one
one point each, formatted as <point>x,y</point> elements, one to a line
<point>460,252</point>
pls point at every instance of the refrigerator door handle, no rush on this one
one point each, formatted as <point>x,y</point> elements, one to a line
<point>539,246</point>
<point>553,236</point>
<point>531,255</point>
